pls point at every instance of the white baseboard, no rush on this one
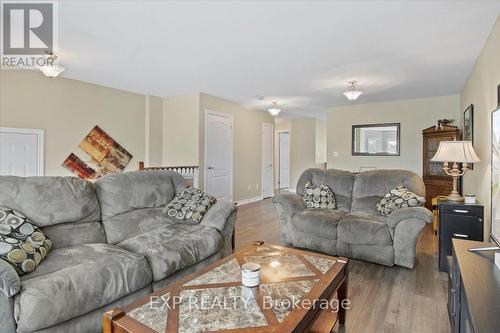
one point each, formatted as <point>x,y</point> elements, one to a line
<point>249,200</point>
<point>292,190</point>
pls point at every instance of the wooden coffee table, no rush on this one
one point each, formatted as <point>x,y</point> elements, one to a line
<point>296,287</point>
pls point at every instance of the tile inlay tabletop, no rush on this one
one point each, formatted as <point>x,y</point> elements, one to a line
<point>293,284</point>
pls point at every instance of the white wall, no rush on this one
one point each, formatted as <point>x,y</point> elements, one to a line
<point>67,110</point>
<point>302,148</point>
<point>414,116</point>
<point>247,143</point>
<point>307,145</point>
<point>154,131</point>
<point>181,133</point>
<point>321,142</point>
<point>481,91</point>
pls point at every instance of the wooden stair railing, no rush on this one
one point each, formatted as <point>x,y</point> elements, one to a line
<point>191,172</point>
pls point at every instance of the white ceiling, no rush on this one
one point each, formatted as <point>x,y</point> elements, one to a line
<point>300,54</point>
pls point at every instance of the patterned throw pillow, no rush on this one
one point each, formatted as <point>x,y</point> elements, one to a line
<point>22,244</point>
<point>399,197</point>
<point>318,197</point>
<point>190,205</point>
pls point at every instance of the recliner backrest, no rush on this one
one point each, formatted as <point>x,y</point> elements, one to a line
<point>371,186</point>
<point>65,208</point>
<point>131,202</point>
<point>340,182</point>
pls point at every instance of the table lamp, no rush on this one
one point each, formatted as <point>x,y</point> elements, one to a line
<point>455,152</point>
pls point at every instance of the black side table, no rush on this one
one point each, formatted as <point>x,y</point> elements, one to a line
<point>458,220</point>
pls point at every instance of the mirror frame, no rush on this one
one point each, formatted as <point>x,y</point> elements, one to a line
<point>398,137</point>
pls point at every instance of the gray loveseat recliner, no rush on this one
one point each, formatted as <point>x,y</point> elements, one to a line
<point>355,229</point>
<point>111,246</point>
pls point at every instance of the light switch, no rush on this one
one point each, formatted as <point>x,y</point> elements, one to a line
<point>335,154</point>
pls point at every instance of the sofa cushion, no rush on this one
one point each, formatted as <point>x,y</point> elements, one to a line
<point>171,248</point>
<point>367,229</point>
<point>75,280</point>
<point>123,192</point>
<point>22,244</point>
<point>371,186</point>
<point>75,233</point>
<point>318,196</point>
<point>399,197</point>
<point>318,222</point>
<point>339,181</point>
<point>133,223</point>
<point>50,200</point>
<point>189,206</point>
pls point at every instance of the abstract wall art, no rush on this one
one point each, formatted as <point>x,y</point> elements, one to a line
<point>103,154</point>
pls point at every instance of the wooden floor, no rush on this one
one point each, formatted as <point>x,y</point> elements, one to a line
<point>384,299</point>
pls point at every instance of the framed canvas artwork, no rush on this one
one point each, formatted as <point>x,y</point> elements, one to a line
<point>468,127</point>
<point>98,155</point>
<point>468,124</point>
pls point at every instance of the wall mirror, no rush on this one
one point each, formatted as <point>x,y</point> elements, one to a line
<point>376,139</point>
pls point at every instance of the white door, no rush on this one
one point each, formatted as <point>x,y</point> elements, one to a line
<point>21,152</point>
<point>219,156</point>
<point>284,160</point>
<point>267,160</point>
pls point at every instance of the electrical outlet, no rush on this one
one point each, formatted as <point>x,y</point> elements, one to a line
<point>335,154</point>
<point>257,186</point>
<point>249,187</point>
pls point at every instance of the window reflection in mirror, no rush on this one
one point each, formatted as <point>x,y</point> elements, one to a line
<point>375,140</point>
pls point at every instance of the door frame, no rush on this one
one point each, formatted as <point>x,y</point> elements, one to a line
<point>40,133</point>
<point>231,156</point>
<point>278,132</point>
<point>262,160</point>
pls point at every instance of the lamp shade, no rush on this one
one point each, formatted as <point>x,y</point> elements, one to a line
<point>455,151</point>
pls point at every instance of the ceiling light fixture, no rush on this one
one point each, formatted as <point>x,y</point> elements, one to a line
<point>354,93</point>
<point>273,110</point>
<point>50,69</point>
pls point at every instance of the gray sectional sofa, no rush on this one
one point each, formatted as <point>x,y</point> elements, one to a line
<point>355,229</point>
<point>111,246</point>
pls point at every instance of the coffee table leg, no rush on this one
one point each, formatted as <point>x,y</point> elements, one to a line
<point>342,295</point>
<point>233,238</point>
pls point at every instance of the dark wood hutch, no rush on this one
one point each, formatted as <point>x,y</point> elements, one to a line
<point>436,181</point>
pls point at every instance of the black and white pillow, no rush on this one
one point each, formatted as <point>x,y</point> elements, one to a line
<point>318,197</point>
<point>22,244</point>
<point>399,197</point>
<point>190,205</point>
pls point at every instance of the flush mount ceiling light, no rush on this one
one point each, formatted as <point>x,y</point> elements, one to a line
<point>273,110</point>
<point>50,69</point>
<point>354,93</point>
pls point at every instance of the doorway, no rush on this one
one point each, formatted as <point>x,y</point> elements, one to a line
<point>218,167</point>
<point>21,152</point>
<point>283,160</point>
<point>267,160</point>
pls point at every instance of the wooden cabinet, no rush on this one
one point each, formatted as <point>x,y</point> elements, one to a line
<point>473,289</point>
<point>436,181</point>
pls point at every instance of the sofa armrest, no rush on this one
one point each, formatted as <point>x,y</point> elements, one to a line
<point>287,205</point>
<point>291,203</point>
<point>419,213</point>
<point>222,216</point>
<point>218,214</point>
<point>10,284</point>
